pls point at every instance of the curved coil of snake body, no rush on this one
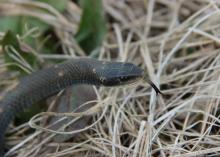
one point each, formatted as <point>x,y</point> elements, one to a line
<point>47,82</point>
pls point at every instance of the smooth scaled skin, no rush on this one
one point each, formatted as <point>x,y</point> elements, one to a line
<point>47,82</point>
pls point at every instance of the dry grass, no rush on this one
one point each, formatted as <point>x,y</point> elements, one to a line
<point>177,42</point>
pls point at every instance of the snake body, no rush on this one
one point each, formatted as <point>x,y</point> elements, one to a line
<point>47,82</point>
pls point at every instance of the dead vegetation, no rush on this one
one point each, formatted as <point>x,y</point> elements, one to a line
<point>177,42</point>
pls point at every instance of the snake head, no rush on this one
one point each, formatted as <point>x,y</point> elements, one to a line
<point>118,73</point>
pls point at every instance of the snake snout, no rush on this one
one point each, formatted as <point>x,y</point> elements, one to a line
<point>120,73</point>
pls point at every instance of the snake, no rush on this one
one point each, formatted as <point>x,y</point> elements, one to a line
<point>49,81</point>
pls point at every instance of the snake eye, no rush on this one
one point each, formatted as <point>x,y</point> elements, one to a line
<point>128,79</point>
<point>117,73</point>
<point>121,80</point>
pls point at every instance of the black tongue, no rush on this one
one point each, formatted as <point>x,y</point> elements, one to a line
<point>155,87</point>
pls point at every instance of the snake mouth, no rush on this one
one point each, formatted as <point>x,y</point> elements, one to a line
<point>120,80</point>
<point>118,73</point>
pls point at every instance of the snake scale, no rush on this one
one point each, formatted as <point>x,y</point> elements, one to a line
<point>49,81</point>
